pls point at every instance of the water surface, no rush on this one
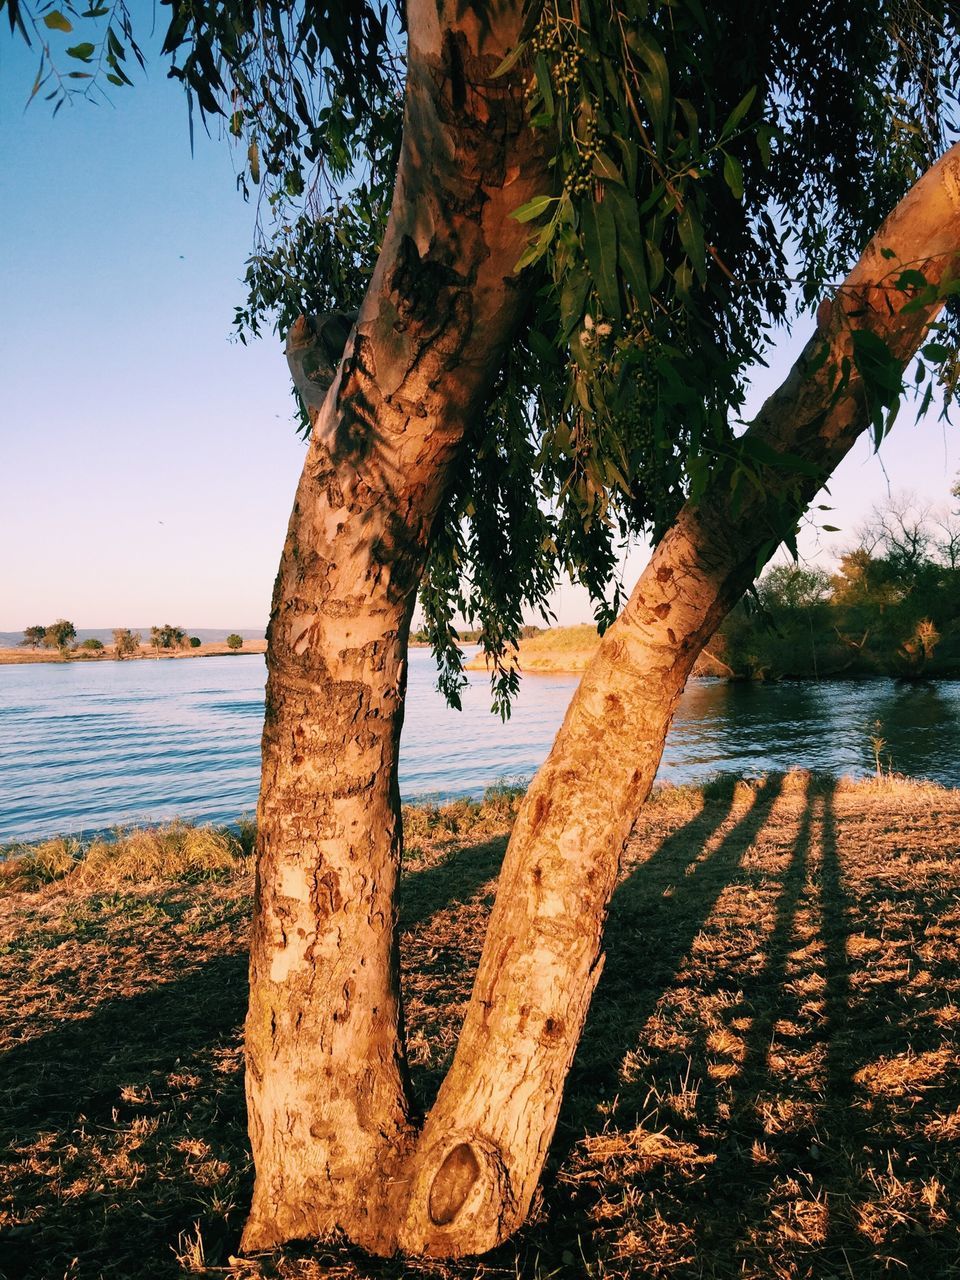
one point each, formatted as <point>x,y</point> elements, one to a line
<point>86,746</point>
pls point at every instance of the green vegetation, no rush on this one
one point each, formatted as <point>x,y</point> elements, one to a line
<point>234,641</point>
<point>59,635</point>
<point>33,637</point>
<point>92,645</point>
<point>195,642</point>
<point>891,608</point>
<point>167,637</point>
<point>126,643</point>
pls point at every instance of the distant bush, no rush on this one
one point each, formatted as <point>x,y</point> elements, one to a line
<point>33,637</point>
<point>93,645</point>
<point>234,641</point>
<point>194,642</point>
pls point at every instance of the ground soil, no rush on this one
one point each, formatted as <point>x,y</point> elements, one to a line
<point>768,1086</point>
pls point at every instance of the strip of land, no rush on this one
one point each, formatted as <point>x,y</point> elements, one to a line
<point>108,653</point>
<point>768,1087</point>
<point>568,650</point>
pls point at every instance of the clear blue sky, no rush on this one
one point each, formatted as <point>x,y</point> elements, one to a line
<point>148,463</point>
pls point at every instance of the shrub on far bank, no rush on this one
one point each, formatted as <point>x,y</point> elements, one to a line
<point>234,641</point>
<point>194,642</point>
<point>92,645</point>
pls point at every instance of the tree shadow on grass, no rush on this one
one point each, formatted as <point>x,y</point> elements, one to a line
<point>125,1129</point>
<point>759,1091</point>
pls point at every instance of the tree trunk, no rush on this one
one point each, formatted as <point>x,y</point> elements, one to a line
<point>326,1080</point>
<point>476,1166</point>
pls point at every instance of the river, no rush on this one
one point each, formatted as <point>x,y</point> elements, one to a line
<point>85,746</point>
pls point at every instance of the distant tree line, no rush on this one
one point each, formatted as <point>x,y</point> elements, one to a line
<point>61,635</point>
<point>891,608</point>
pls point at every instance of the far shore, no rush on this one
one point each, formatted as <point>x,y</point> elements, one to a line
<point>216,649</point>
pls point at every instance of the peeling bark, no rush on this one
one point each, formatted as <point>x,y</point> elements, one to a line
<point>475,1168</point>
<point>329,1107</point>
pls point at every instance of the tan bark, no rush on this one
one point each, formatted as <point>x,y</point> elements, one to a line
<point>473,1174</point>
<point>326,1082</point>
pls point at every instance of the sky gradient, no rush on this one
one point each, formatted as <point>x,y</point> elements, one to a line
<point>148,462</point>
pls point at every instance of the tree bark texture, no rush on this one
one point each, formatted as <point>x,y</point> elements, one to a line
<point>328,1103</point>
<point>477,1163</point>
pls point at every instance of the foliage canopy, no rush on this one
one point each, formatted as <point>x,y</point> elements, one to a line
<point>715,168</point>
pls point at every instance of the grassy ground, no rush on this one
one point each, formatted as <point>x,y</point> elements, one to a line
<point>768,1085</point>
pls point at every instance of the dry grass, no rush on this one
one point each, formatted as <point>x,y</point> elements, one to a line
<point>565,650</point>
<point>768,1085</point>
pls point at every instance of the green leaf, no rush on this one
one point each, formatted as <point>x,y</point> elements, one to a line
<point>604,167</point>
<point>630,244</point>
<point>738,112</point>
<point>84,52</point>
<point>937,351</point>
<point>733,176</point>
<point>573,297</point>
<point>533,208</point>
<point>657,265</point>
<point>654,84</point>
<point>56,21</point>
<point>600,248</point>
<point>764,134</point>
<point>542,69</point>
<point>691,237</point>
<point>511,60</point>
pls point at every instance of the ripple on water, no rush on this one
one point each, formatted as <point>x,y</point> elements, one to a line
<point>89,747</point>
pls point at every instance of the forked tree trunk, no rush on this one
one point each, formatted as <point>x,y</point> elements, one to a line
<point>472,1176</point>
<point>326,1081</point>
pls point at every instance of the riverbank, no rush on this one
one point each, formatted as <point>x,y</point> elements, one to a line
<point>108,653</point>
<point>568,650</point>
<point>768,1085</point>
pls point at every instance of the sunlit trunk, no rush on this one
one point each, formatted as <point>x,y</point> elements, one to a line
<point>326,1082</point>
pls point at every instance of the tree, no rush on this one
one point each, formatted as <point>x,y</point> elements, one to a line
<point>33,636</point>
<point>545,347</point>
<point>234,641</point>
<point>92,645</point>
<point>60,635</point>
<point>126,643</point>
<point>167,637</point>
<point>195,642</point>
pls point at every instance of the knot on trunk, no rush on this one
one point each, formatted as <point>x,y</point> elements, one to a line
<point>452,1184</point>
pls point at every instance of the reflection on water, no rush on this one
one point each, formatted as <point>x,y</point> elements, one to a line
<point>84,746</point>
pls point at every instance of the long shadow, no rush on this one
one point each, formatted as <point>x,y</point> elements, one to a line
<point>469,867</point>
<point>110,1071</point>
<point>881,1144</point>
<point>666,890</point>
